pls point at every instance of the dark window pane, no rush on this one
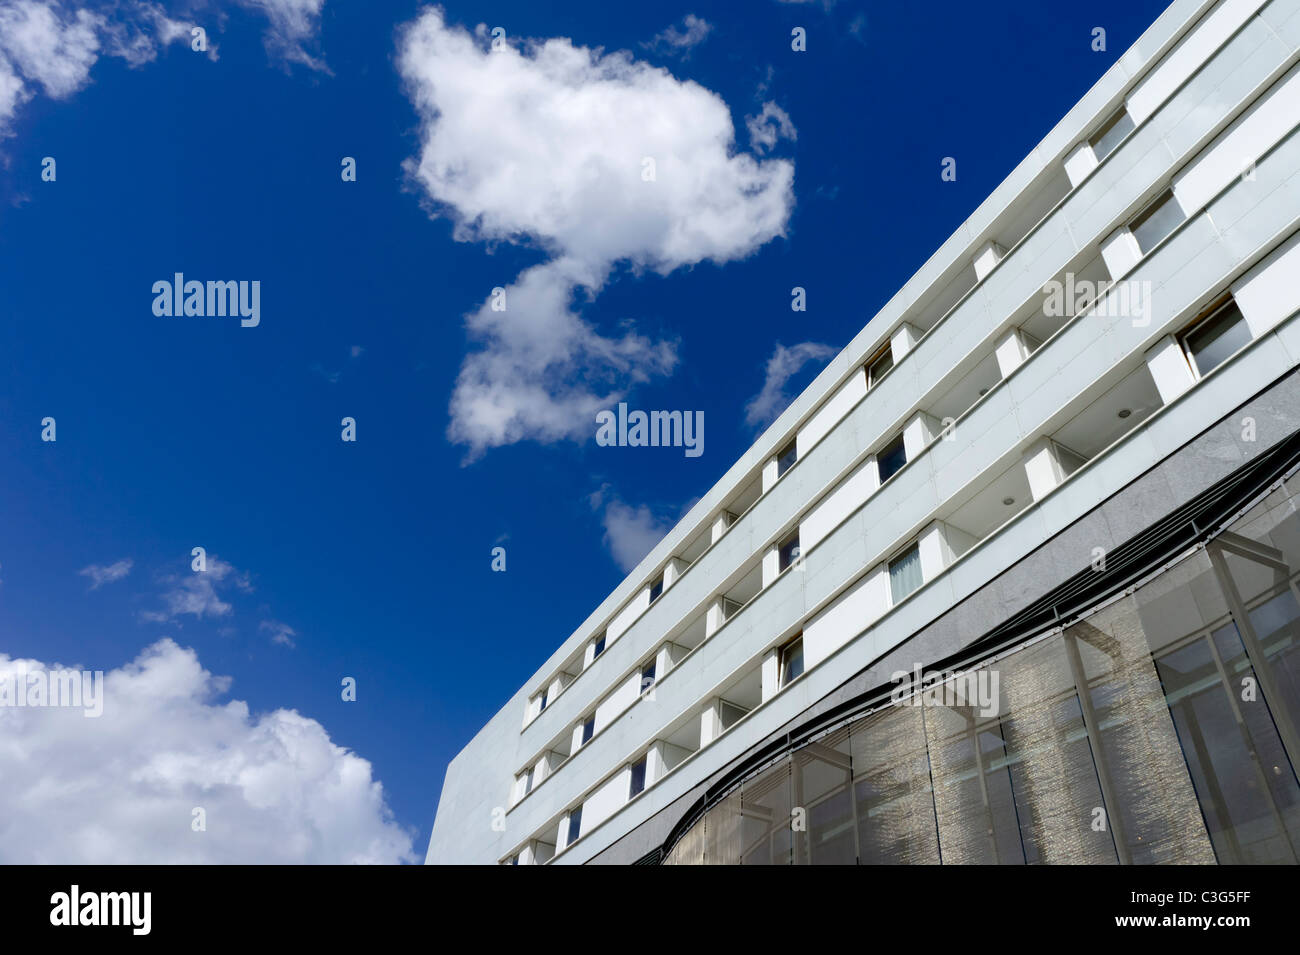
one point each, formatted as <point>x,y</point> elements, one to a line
<point>788,553</point>
<point>575,826</point>
<point>600,647</point>
<point>791,661</point>
<point>891,459</point>
<point>786,458</point>
<point>1217,338</point>
<point>588,728</point>
<point>638,778</point>
<point>648,677</point>
<point>879,367</point>
<point>656,589</point>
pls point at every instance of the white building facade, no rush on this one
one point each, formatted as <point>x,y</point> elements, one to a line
<point>1102,361</point>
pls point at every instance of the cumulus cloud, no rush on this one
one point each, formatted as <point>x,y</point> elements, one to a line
<point>769,127</point>
<point>548,144</point>
<point>784,364</point>
<point>199,593</point>
<point>101,574</point>
<point>122,788</point>
<point>694,31</point>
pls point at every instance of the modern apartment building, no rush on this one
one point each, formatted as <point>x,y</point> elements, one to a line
<point>1015,579</point>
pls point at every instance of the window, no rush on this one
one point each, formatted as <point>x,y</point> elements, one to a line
<point>648,676</point>
<point>1215,338</point>
<point>789,454</point>
<point>599,648</point>
<point>528,782</point>
<point>1156,221</point>
<point>891,459</point>
<point>792,660</point>
<point>905,573</point>
<point>514,859</point>
<point>788,552</point>
<point>881,363</point>
<point>543,706</point>
<point>638,778</point>
<point>657,588</point>
<point>575,826</point>
<point>588,728</point>
<point>1105,139</point>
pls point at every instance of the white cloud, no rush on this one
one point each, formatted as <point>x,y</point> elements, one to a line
<point>784,364</point>
<point>51,46</point>
<point>544,145</point>
<point>48,45</point>
<point>281,633</point>
<point>632,532</point>
<point>101,574</point>
<point>122,788</point>
<point>672,40</point>
<point>294,24</point>
<point>769,127</point>
<point>198,593</point>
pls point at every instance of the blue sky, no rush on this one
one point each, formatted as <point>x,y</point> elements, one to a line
<point>176,432</point>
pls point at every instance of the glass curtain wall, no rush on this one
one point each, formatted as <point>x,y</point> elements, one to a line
<point>1160,727</point>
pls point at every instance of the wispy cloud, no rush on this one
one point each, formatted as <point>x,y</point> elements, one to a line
<point>769,127</point>
<point>694,31</point>
<point>199,593</point>
<point>784,364</point>
<point>51,46</point>
<point>293,28</point>
<point>101,574</point>
<point>354,355</point>
<point>281,633</point>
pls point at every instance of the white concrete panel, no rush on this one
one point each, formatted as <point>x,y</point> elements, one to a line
<point>851,494</point>
<point>618,701</point>
<point>1011,352</point>
<point>1188,55</point>
<point>857,609</point>
<point>771,566</point>
<point>1270,292</point>
<point>1043,468</point>
<point>625,616</point>
<point>611,796</point>
<point>1080,161</point>
<point>832,412</point>
<point>1120,252</point>
<point>1236,149</point>
<point>770,672</point>
<point>903,340</point>
<point>986,257</point>
<point>918,433</point>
